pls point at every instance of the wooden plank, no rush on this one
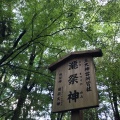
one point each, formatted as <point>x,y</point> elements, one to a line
<point>75,85</point>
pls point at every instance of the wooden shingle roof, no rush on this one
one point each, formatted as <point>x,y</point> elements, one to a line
<point>76,54</point>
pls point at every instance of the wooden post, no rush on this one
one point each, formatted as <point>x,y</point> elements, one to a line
<point>76,115</point>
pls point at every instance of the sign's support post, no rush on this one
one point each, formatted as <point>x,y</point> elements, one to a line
<point>76,115</point>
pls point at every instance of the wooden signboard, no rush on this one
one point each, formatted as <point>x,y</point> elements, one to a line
<point>75,83</point>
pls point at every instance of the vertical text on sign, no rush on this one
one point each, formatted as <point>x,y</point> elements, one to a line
<point>60,78</point>
<point>74,95</point>
<point>74,79</point>
<point>87,75</point>
<point>60,96</point>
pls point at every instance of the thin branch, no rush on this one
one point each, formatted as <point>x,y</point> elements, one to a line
<point>26,45</point>
<point>109,22</point>
<point>18,39</point>
<point>15,55</point>
<point>32,22</point>
<point>4,114</point>
<point>99,8</point>
<point>30,70</point>
<point>49,25</point>
<point>6,99</point>
<point>47,46</point>
<point>74,27</point>
<point>12,50</point>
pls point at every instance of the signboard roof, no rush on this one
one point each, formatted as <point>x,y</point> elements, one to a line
<point>88,53</point>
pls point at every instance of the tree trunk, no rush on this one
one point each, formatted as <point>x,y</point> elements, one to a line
<point>21,101</point>
<point>25,90</point>
<point>116,113</point>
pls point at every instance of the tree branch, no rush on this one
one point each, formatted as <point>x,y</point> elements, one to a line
<point>66,28</point>
<point>18,39</point>
<point>49,25</point>
<point>30,70</point>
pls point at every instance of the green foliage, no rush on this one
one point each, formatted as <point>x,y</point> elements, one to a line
<point>34,34</point>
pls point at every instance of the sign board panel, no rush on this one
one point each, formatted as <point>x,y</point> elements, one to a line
<point>75,85</point>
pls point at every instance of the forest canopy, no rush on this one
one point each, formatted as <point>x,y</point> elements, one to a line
<point>34,34</point>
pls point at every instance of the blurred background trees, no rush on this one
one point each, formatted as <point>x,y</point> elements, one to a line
<point>34,34</point>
